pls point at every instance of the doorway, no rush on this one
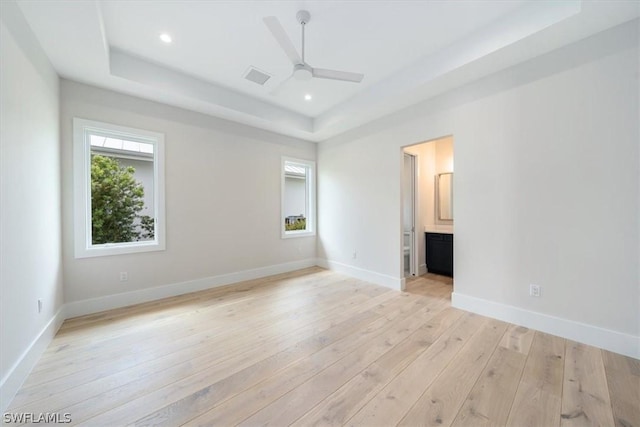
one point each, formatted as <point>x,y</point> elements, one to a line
<point>427,211</point>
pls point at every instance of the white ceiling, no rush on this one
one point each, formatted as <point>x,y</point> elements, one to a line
<point>408,51</point>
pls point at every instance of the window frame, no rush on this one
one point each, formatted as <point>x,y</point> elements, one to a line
<point>310,183</point>
<point>82,221</point>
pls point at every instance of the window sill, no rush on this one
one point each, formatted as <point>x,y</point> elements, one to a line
<point>119,249</point>
<point>300,233</point>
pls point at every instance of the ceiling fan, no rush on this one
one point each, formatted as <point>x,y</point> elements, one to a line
<point>302,70</point>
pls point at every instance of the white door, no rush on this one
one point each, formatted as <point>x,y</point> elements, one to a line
<point>408,214</point>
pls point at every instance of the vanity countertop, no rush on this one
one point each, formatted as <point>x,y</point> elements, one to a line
<point>446,229</point>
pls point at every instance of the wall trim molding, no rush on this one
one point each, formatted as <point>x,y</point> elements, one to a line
<point>614,341</point>
<point>18,373</point>
<point>108,302</point>
<point>394,283</point>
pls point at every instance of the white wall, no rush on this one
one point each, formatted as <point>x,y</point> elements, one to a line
<point>546,191</point>
<point>222,199</point>
<point>30,241</point>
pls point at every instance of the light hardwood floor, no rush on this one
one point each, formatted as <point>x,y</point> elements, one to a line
<point>316,348</point>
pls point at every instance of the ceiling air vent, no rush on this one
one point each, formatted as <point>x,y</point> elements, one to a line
<point>256,76</point>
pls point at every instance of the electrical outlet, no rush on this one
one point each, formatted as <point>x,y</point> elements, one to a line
<point>124,276</point>
<point>40,306</point>
<point>534,290</point>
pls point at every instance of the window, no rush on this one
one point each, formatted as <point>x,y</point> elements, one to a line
<point>298,198</point>
<point>118,189</point>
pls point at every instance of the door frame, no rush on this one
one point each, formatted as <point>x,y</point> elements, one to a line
<point>413,244</point>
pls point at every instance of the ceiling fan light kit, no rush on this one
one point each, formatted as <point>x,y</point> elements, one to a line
<point>302,70</point>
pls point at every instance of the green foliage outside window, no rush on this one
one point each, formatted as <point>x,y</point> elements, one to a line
<point>116,201</point>
<point>300,224</point>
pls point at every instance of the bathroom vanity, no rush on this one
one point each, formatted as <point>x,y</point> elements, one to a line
<point>439,252</point>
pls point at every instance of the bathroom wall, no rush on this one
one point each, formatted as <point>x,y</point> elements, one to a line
<point>443,160</point>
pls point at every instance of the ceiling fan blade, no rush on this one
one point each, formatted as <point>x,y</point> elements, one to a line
<point>337,75</point>
<point>282,38</point>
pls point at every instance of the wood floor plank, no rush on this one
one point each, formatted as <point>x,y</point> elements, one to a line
<point>298,277</point>
<point>391,404</point>
<point>538,401</point>
<point>112,398</point>
<point>157,373</point>
<point>585,395</point>
<point>346,401</point>
<point>243,395</point>
<point>236,358</point>
<point>440,403</point>
<point>162,316</point>
<point>147,328</point>
<point>394,349</point>
<point>30,394</point>
<point>314,347</point>
<point>490,400</point>
<point>518,338</point>
<point>154,313</point>
<point>143,340</point>
<point>229,379</point>
<point>623,380</point>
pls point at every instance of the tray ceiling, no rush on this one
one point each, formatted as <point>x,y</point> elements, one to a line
<point>408,50</point>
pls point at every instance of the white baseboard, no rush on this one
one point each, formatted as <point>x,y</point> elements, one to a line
<point>607,339</point>
<point>422,269</point>
<point>18,373</point>
<point>394,283</point>
<point>94,305</point>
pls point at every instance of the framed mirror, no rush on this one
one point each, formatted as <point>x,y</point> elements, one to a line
<point>445,196</point>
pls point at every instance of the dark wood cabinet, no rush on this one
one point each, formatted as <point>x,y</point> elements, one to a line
<point>440,253</point>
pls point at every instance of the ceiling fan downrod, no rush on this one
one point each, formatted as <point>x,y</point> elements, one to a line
<point>303,17</point>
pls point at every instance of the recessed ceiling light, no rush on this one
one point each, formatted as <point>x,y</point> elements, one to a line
<point>307,97</point>
<point>165,37</point>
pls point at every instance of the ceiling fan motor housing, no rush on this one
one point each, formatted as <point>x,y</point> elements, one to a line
<point>303,17</point>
